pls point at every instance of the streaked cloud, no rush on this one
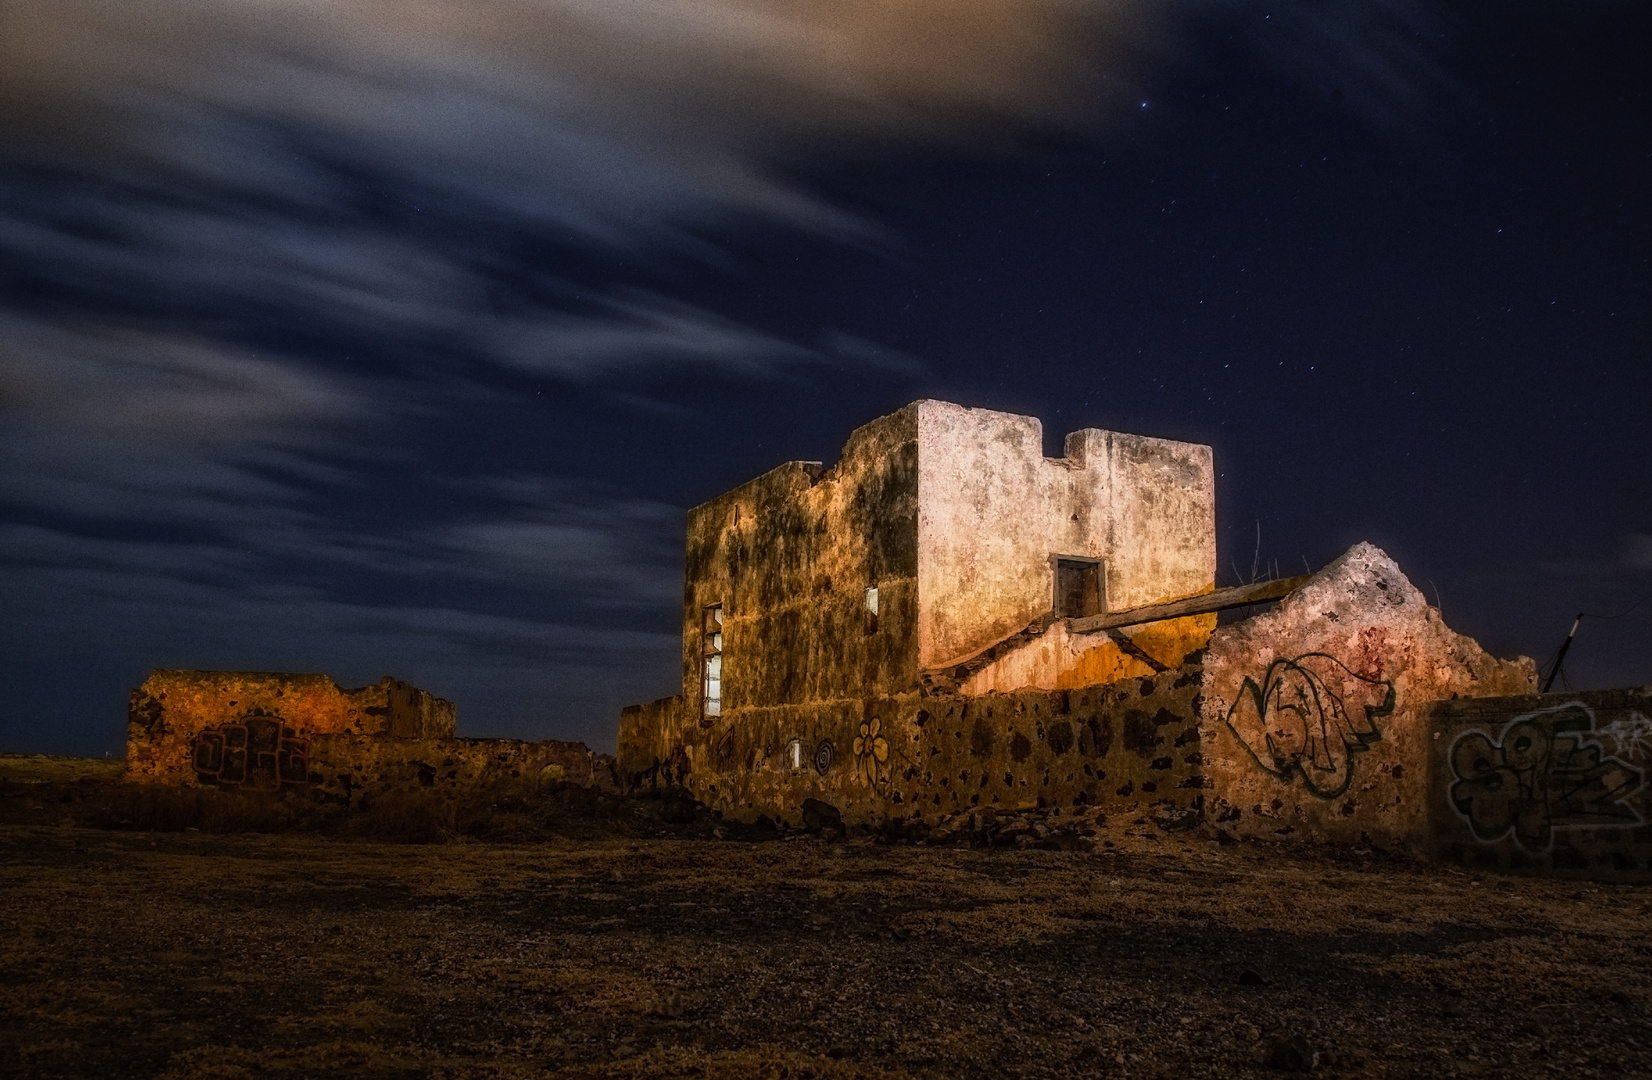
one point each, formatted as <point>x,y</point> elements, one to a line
<point>269,249</point>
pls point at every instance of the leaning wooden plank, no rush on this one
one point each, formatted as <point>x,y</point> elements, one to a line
<point>1204,604</point>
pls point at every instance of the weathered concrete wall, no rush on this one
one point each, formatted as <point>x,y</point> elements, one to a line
<point>1315,713</point>
<point>920,756</point>
<point>359,768</point>
<point>1553,784</point>
<point>253,729</point>
<point>993,510</point>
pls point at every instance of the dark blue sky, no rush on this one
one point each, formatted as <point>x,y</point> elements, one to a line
<point>400,345</point>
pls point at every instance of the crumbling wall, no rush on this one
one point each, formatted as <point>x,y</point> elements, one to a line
<point>1554,784</point>
<point>1315,713</point>
<point>649,737</point>
<point>357,768</point>
<point>254,729</point>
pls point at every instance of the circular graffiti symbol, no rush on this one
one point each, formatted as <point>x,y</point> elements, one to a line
<point>824,753</point>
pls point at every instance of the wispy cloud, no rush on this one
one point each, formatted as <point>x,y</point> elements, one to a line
<point>266,249</point>
<point>641,331</point>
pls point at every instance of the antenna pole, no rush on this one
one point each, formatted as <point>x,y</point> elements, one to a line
<point>1561,655</point>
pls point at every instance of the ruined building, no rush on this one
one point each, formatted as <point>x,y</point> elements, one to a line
<point>274,732</point>
<point>948,622</point>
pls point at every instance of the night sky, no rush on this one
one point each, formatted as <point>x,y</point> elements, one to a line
<point>396,337</point>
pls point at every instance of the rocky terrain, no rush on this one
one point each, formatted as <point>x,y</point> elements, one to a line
<point>582,936</point>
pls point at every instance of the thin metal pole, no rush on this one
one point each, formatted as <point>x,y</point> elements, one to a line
<point>1561,655</point>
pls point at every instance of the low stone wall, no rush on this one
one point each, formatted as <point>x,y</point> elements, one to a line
<point>1551,784</point>
<point>356,769</point>
<point>919,757</point>
<point>254,729</point>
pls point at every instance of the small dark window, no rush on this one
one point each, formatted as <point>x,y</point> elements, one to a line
<point>1077,588</point>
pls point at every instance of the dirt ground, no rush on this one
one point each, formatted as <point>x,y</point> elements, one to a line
<point>603,952</point>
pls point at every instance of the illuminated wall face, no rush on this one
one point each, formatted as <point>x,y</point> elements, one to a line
<point>1131,519</point>
<point>255,729</point>
<point>940,532</point>
<point>801,584</point>
<point>1316,712</point>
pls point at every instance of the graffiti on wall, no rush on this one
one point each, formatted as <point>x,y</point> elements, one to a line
<point>1309,717</point>
<point>255,752</point>
<point>1547,771</point>
<point>872,753</point>
<point>1628,737</point>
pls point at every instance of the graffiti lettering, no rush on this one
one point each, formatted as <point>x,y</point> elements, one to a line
<point>1541,775</point>
<point>1300,721</point>
<point>254,752</point>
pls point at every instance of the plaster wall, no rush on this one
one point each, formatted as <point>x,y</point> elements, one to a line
<point>253,728</point>
<point>993,510</point>
<point>1059,660</point>
<point>1316,712</point>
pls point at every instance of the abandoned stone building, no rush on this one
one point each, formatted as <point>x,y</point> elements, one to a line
<point>273,732</point>
<point>946,621</point>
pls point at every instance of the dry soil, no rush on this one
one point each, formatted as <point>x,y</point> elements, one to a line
<point>190,954</point>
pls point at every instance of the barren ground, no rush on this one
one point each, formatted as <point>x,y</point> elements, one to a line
<point>604,952</point>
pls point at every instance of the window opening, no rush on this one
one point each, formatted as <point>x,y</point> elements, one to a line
<point>794,755</point>
<point>1078,589</point>
<point>872,609</point>
<point>712,662</point>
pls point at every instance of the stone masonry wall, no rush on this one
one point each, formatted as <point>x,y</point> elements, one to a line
<point>358,768</point>
<point>922,756</point>
<point>1552,784</point>
<point>788,557</point>
<point>253,729</point>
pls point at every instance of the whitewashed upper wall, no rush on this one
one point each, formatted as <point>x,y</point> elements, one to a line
<point>992,510</point>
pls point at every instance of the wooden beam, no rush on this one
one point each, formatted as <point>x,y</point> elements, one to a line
<point>1204,604</point>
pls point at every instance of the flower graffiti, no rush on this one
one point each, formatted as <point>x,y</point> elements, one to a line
<point>871,750</point>
<point>1540,776</point>
<point>1309,717</point>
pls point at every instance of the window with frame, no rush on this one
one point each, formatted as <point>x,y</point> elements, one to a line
<point>711,663</point>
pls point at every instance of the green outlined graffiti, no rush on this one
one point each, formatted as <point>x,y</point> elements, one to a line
<point>1295,724</point>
